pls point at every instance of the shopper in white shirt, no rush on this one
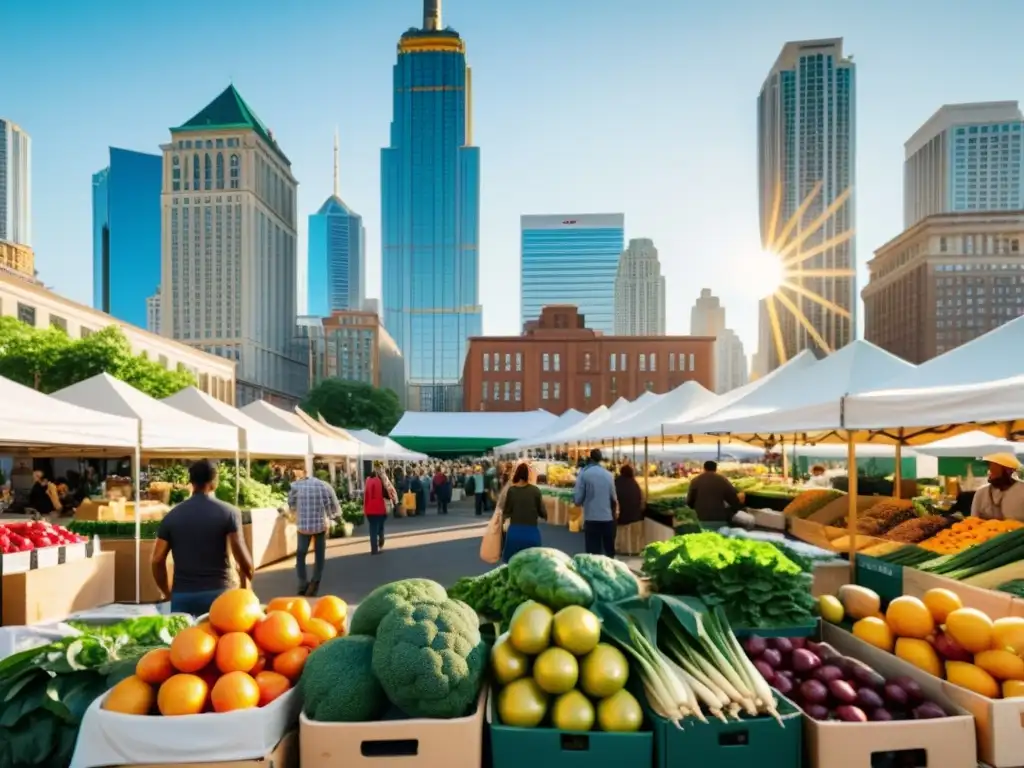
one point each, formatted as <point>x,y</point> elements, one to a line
<point>1002,498</point>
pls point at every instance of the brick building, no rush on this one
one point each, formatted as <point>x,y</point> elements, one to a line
<point>558,363</point>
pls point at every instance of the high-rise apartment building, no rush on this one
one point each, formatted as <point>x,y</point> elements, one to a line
<point>430,213</point>
<point>571,259</point>
<point>945,281</point>
<point>228,280</point>
<point>153,312</point>
<point>806,124</point>
<point>966,157</point>
<point>707,318</point>
<point>639,291</point>
<point>15,184</point>
<point>336,273</point>
<point>126,237</point>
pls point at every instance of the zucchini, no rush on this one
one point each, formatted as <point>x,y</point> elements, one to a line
<point>989,551</point>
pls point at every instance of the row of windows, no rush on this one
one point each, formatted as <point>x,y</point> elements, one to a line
<point>617,361</point>
<point>208,143</point>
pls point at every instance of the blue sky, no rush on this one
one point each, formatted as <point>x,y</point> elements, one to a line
<point>644,107</point>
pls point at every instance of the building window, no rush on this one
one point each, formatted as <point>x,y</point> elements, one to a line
<point>692,366</point>
<point>496,368</point>
<point>654,362</point>
<point>497,391</point>
<point>487,362</point>
<point>236,171</point>
<point>195,172</point>
<point>58,322</point>
<point>220,168</point>
<point>614,385</point>
<point>519,361</point>
<point>545,362</point>
<point>543,390</point>
<point>682,361</point>
<point>611,362</point>
<point>943,245</point>
<point>84,332</point>
<point>508,362</point>
<point>558,390</point>
<point>485,392</point>
<point>643,362</point>
<point>622,362</point>
<point>586,361</point>
<point>671,362</point>
<point>586,390</point>
<point>508,388</point>
<point>519,391</point>
<point>27,314</point>
<point>207,172</point>
<point>558,361</point>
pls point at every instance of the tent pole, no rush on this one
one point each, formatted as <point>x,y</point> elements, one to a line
<point>136,471</point>
<point>647,494</point>
<point>634,451</point>
<point>897,476</point>
<point>851,513</point>
<point>238,478</point>
<point>785,461</point>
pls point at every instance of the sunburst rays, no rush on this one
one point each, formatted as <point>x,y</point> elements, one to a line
<point>795,244</point>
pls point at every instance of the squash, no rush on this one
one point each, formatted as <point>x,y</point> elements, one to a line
<point>972,678</point>
<point>971,629</point>
<point>874,631</point>
<point>859,602</point>
<point>942,602</point>
<point>921,654</point>
<point>1008,634</point>
<point>1002,665</point>
<point>909,617</point>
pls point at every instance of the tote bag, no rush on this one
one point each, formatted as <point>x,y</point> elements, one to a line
<point>490,545</point>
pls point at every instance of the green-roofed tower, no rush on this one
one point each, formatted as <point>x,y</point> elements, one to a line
<point>228,255</point>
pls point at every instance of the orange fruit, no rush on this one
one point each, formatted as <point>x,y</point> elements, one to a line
<point>299,608</point>
<point>182,695</point>
<point>279,604</point>
<point>236,652</point>
<point>132,696</point>
<point>309,640</point>
<point>235,690</point>
<point>331,609</point>
<point>237,610</point>
<point>278,632</point>
<point>322,629</point>
<point>192,649</point>
<point>291,662</point>
<point>271,685</point>
<point>205,626</point>
<point>155,666</point>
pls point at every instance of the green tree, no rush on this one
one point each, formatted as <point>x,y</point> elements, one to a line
<point>354,405</point>
<point>47,360</point>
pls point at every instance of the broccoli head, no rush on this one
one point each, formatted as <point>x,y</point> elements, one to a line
<point>378,604</point>
<point>338,685</point>
<point>430,658</point>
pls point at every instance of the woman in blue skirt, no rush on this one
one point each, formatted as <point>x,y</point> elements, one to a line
<point>522,508</point>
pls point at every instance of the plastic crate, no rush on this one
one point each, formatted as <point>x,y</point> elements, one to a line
<point>797,630</point>
<point>759,741</point>
<point>550,748</point>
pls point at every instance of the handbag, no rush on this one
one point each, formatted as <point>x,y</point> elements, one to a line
<point>491,544</point>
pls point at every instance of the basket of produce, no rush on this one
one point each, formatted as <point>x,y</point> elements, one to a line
<point>810,501</point>
<point>1002,550</point>
<point>918,529</point>
<point>967,533</point>
<point>883,516</point>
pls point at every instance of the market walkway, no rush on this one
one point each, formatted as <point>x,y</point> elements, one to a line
<point>439,548</point>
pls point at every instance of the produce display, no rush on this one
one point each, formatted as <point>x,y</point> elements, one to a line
<point>938,635</point>
<point>753,581</point>
<point>909,555</point>
<point>553,670</point>
<point>241,657</point>
<point>995,552</point>
<point>806,503</point>
<point>804,555</point>
<point>1013,587</point>
<point>883,516</point>
<point>23,536</point>
<point>45,691</point>
<point>412,651</point>
<point>829,686</point>
<point>493,595</point>
<point>674,507</point>
<point>918,529</point>
<point>967,533</point>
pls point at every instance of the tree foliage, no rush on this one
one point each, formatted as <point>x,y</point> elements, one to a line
<point>47,359</point>
<point>354,405</point>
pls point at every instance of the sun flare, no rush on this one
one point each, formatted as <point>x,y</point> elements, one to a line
<point>764,273</point>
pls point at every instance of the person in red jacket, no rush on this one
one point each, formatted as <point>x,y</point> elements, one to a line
<point>376,511</point>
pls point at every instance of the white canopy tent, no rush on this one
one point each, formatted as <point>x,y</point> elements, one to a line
<point>37,422</point>
<point>969,445</point>
<point>688,397</point>
<point>379,447</point>
<point>806,399</point>
<point>557,437</point>
<point>561,423</point>
<point>619,416</point>
<point>164,430</point>
<point>318,443</point>
<point>258,440</point>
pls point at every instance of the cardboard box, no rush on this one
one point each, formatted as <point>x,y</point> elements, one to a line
<point>284,755</point>
<point>827,578</point>
<point>414,743</point>
<point>270,537</point>
<point>124,580</point>
<point>53,593</point>
<point>654,531</point>
<point>948,742</point>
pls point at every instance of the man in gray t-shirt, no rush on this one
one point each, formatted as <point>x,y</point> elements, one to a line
<point>197,534</point>
<point>595,492</point>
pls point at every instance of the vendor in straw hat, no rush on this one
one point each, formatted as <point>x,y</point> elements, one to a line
<point>1002,498</point>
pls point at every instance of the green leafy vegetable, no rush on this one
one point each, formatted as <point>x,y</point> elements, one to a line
<point>493,595</point>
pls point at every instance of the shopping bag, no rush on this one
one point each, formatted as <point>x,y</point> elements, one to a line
<point>409,501</point>
<point>490,545</point>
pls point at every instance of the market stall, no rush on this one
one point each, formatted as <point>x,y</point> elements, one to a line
<point>319,442</point>
<point>466,433</point>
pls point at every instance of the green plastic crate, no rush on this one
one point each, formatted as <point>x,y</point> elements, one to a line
<point>884,578</point>
<point>797,630</point>
<point>550,748</point>
<point>759,741</point>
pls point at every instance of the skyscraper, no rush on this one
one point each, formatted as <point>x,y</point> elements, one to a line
<point>707,318</point>
<point>15,184</point>
<point>228,282</point>
<point>430,213</point>
<point>126,234</point>
<point>806,153</point>
<point>571,259</point>
<point>966,157</point>
<point>336,273</point>
<point>639,291</point>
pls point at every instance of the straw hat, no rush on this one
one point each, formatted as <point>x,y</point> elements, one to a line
<point>1007,460</point>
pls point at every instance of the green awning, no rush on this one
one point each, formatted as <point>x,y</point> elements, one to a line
<point>451,446</point>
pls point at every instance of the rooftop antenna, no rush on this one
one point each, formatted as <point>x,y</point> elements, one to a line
<point>432,15</point>
<point>337,182</point>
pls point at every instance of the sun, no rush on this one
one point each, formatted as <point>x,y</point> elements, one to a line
<point>763,273</point>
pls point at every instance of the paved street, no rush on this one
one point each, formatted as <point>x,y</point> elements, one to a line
<point>433,547</point>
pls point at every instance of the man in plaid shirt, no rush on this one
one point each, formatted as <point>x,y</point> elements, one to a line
<point>315,504</point>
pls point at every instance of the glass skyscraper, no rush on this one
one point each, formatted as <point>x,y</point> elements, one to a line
<point>430,211</point>
<point>571,259</point>
<point>336,274</point>
<point>126,234</point>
